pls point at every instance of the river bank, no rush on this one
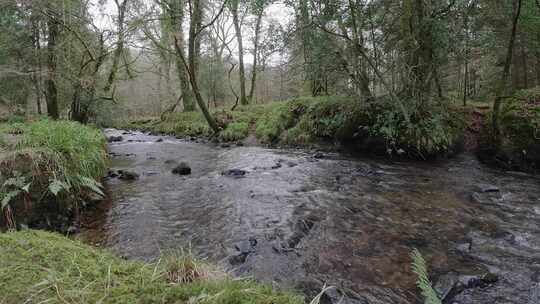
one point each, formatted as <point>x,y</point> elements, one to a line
<point>50,177</point>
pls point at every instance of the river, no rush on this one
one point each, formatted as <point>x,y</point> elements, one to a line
<point>300,219</point>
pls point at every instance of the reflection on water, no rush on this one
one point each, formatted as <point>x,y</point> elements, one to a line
<point>301,221</point>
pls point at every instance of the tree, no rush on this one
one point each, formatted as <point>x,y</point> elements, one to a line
<point>501,87</point>
<point>234,7</point>
<point>195,29</point>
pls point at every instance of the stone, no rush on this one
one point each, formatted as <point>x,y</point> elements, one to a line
<point>112,139</point>
<point>225,145</point>
<point>464,248</point>
<point>318,155</point>
<point>128,175</point>
<point>182,169</point>
<point>237,259</point>
<point>159,140</point>
<point>236,173</point>
<point>170,162</point>
<point>486,188</point>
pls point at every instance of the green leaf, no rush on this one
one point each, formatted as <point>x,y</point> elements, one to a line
<point>26,188</point>
<point>56,186</point>
<point>9,196</point>
<point>92,185</point>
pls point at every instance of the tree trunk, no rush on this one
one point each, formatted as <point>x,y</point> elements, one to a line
<point>121,7</point>
<point>177,18</point>
<point>191,64</point>
<point>504,78</point>
<point>524,66</point>
<point>255,55</point>
<point>241,70</point>
<point>52,92</point>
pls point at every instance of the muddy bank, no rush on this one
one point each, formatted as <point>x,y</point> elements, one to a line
<point>300,219</point>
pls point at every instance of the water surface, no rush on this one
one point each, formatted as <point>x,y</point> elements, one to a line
<point>304,220</point>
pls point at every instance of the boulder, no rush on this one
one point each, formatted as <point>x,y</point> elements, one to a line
<point>182,169</point>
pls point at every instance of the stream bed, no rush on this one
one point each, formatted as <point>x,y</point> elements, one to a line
<point>300,219</point>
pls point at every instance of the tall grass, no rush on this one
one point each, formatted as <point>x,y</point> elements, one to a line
<point>52,161</point>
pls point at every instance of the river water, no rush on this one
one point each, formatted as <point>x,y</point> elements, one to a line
<point>299,219</point>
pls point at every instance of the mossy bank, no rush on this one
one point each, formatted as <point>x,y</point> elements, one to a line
<point>42,267</point>
<point>50,170</point>
<point>375,127</point>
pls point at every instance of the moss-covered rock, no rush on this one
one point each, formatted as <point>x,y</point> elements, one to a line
<point>41,267</point>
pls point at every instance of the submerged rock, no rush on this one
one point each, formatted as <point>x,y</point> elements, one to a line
<point>182,169</point>
<point>159,140</point>
<point>486,188</point>
<point>128,175</point>
<point>236,173</point>
<point>452,284</point>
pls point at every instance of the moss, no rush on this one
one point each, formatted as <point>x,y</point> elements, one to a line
<point>235,131</point>
<point>39,267</point>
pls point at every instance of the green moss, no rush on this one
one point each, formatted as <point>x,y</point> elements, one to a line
<point>39,267</point>
<point>235,131</point>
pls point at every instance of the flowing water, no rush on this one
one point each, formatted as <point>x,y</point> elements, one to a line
<point>299,219</point>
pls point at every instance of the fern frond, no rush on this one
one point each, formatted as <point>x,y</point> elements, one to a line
<point>419,267</point>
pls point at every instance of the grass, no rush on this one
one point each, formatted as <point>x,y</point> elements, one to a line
<point>50,164</point>
<point>50,268</point>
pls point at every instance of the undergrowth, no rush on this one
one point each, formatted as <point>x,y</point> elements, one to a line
<point>306,120</point>
<point>52,269</point>
<point>519,144</point>
<point>52,164</point>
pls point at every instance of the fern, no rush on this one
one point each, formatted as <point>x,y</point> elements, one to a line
<point>420,269</point>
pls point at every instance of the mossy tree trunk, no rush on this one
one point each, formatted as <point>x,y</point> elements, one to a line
<point>52,91</point>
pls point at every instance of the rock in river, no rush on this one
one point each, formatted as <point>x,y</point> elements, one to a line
<point>112,139</point>
<point>182,169</point>
<point>128,175</point>
<point>237,173</point>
